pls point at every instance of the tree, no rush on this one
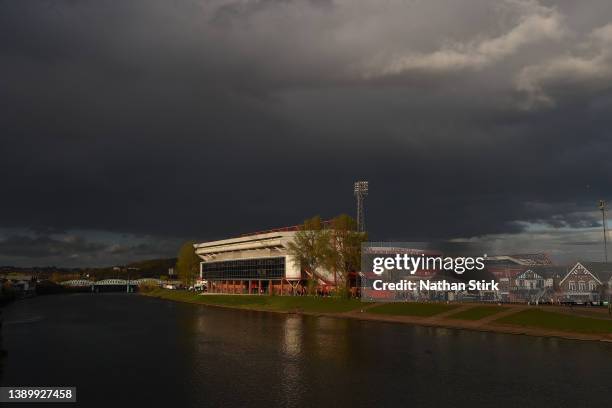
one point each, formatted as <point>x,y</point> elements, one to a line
<point>187,264</point>
<point>336,250</point>
<point>310,246</point>
<point>344,253</point>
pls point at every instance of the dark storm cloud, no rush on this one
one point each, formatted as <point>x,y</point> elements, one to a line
<point>202,119</point>
<point>46,246</point>
<point>81,248</point>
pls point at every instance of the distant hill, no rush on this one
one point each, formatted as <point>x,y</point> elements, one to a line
<point>152,268</point>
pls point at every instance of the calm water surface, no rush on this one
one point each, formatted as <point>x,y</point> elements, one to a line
<point>128,350</point>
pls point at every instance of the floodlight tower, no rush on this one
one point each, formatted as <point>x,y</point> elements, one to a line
<point>602,208</point>
<point>361,192</point>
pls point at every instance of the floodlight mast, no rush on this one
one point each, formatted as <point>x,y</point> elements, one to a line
<point>361,192</point>
<point>602,208</point>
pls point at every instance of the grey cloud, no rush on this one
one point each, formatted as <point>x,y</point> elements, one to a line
<point>534,23</point>
<point>82,248</point>
<point>591,70</point>
<point>44,246</point>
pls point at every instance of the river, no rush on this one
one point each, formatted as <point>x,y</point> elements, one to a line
<point>129,350</point>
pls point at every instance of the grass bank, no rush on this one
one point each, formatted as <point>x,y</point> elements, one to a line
<point>477,312</point>
<point>308,304</point>
<point>549,320</point>
<point>513,319</point>
<point>412,309</point>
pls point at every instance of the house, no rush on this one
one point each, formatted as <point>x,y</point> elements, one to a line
<point>587,282</point>
<point>529,280</point>
<point>506,268</point>
<point>538,283</point>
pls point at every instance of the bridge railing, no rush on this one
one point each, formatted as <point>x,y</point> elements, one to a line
<point>113,282</point>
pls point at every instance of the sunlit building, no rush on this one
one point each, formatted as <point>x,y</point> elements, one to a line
<point>254,263</point>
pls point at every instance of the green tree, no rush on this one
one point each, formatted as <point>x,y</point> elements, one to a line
<point>344,253</point>
<point>310,246</point>
<point>187,264</point>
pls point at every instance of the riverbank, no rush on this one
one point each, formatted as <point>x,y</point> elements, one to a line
<point>547,321</point>
<point>264,303</point>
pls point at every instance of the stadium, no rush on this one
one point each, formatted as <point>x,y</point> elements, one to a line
<point>256,263</point>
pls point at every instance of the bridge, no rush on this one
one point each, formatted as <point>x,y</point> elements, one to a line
<point>106,284</point>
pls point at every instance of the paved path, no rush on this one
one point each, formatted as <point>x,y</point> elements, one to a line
<point>444,315</point>
<point>511,310</point>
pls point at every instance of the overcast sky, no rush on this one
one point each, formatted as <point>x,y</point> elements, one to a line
<point>127,127</point>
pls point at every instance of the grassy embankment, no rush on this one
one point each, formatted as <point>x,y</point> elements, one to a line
<point>412,309</point>
<point>263,302</point>
<point>477,312</point>
<point>535,318</point>
<point>542,319</point>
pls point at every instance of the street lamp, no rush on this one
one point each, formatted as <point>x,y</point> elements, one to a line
<point>602,208</point>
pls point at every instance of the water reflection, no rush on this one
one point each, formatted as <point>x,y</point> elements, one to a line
<point>292,339</point>
<point>291,381</point>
